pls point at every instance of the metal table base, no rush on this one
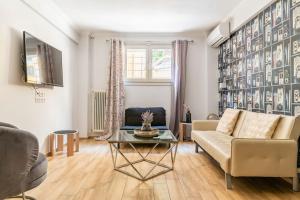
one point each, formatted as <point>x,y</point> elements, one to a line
<point>172,151</point>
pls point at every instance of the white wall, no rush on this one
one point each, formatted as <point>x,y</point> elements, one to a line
<point>17,101</point>
<point>244,11</point>
<point>201,91</point>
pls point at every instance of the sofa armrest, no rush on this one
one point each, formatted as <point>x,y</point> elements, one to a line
<point>263,157</point>
<point>205,125</point>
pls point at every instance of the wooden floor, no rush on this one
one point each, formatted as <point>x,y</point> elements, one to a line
<point>89,175</point>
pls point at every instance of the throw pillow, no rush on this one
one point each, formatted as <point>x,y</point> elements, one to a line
<point>228,120</point>
<point>259,125</point>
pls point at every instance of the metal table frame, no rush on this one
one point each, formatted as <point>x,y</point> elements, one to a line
<point>172,151</point>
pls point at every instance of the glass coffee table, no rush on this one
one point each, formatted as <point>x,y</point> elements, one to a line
<point>127,137</point>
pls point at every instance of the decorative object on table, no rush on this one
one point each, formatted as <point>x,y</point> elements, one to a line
<point>147,134</point>
<point>212,116</point>
<point>146,130</point>
<point>59,137</point>
<point>188,114</point>
<point>147,120</point>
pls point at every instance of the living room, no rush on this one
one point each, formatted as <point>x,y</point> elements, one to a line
<point>149,99</point>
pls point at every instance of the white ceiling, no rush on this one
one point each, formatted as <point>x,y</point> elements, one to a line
<point>146,15</point>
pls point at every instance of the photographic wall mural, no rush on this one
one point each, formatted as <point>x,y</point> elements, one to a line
<point>259,66</point>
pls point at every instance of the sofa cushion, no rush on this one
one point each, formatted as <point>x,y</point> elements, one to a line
<point>227,122</point>
<point>135,127</point>
<point>216,144</point>
<point>259,125</point>
<point>133,116</point>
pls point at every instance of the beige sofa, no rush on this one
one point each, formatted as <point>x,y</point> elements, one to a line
<point>241,157</point>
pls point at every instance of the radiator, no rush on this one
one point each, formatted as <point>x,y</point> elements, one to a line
<point>98,110</point>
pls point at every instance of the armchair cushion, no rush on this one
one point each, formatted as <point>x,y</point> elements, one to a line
<point>38,172</point>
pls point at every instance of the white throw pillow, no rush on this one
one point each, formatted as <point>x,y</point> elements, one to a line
<point>228,120</point>
<point>259,125</point>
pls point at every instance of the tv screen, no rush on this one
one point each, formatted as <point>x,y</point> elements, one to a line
<point>43,63</point>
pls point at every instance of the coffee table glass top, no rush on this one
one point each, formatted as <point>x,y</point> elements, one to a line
<point>127,136</point>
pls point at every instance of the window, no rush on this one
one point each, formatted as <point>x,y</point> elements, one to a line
<point>136,63</point>
<point>148,63</point>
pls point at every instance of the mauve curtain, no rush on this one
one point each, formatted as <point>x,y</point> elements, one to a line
<point>179,50</point>
<point>115,97</point>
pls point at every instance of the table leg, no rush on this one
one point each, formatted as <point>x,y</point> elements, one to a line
<point>77,142</point>
<point>60,143</point>
<point>181,132</point>
<point>70,145</point>
<point>51,143</point>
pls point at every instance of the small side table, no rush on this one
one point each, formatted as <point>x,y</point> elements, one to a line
<point>59,135</point>
<point>182,130</point>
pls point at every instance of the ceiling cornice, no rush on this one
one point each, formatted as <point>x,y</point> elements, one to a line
<point>54,16</point>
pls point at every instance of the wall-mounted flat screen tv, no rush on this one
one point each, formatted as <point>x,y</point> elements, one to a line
<point>43,63</point>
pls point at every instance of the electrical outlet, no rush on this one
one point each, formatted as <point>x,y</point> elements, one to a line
<point>40,97</point>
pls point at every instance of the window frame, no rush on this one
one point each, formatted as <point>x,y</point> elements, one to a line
<point>148,79</point>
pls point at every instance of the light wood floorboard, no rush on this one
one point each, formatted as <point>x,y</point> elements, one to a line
<point>89,175</point>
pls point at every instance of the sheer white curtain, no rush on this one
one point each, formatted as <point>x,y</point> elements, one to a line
<point>179,50</point>
<point>115,97</point>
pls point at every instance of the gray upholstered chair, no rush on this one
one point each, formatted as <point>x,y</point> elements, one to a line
<point>22,167</point>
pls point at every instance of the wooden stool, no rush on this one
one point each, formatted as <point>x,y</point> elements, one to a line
<point>71,135</point>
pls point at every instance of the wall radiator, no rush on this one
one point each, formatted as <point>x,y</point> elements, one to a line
<point>98,110</point>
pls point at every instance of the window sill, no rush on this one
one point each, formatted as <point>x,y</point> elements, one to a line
<point>149,83</point>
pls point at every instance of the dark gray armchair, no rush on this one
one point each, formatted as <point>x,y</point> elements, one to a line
<point>22,167</point>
